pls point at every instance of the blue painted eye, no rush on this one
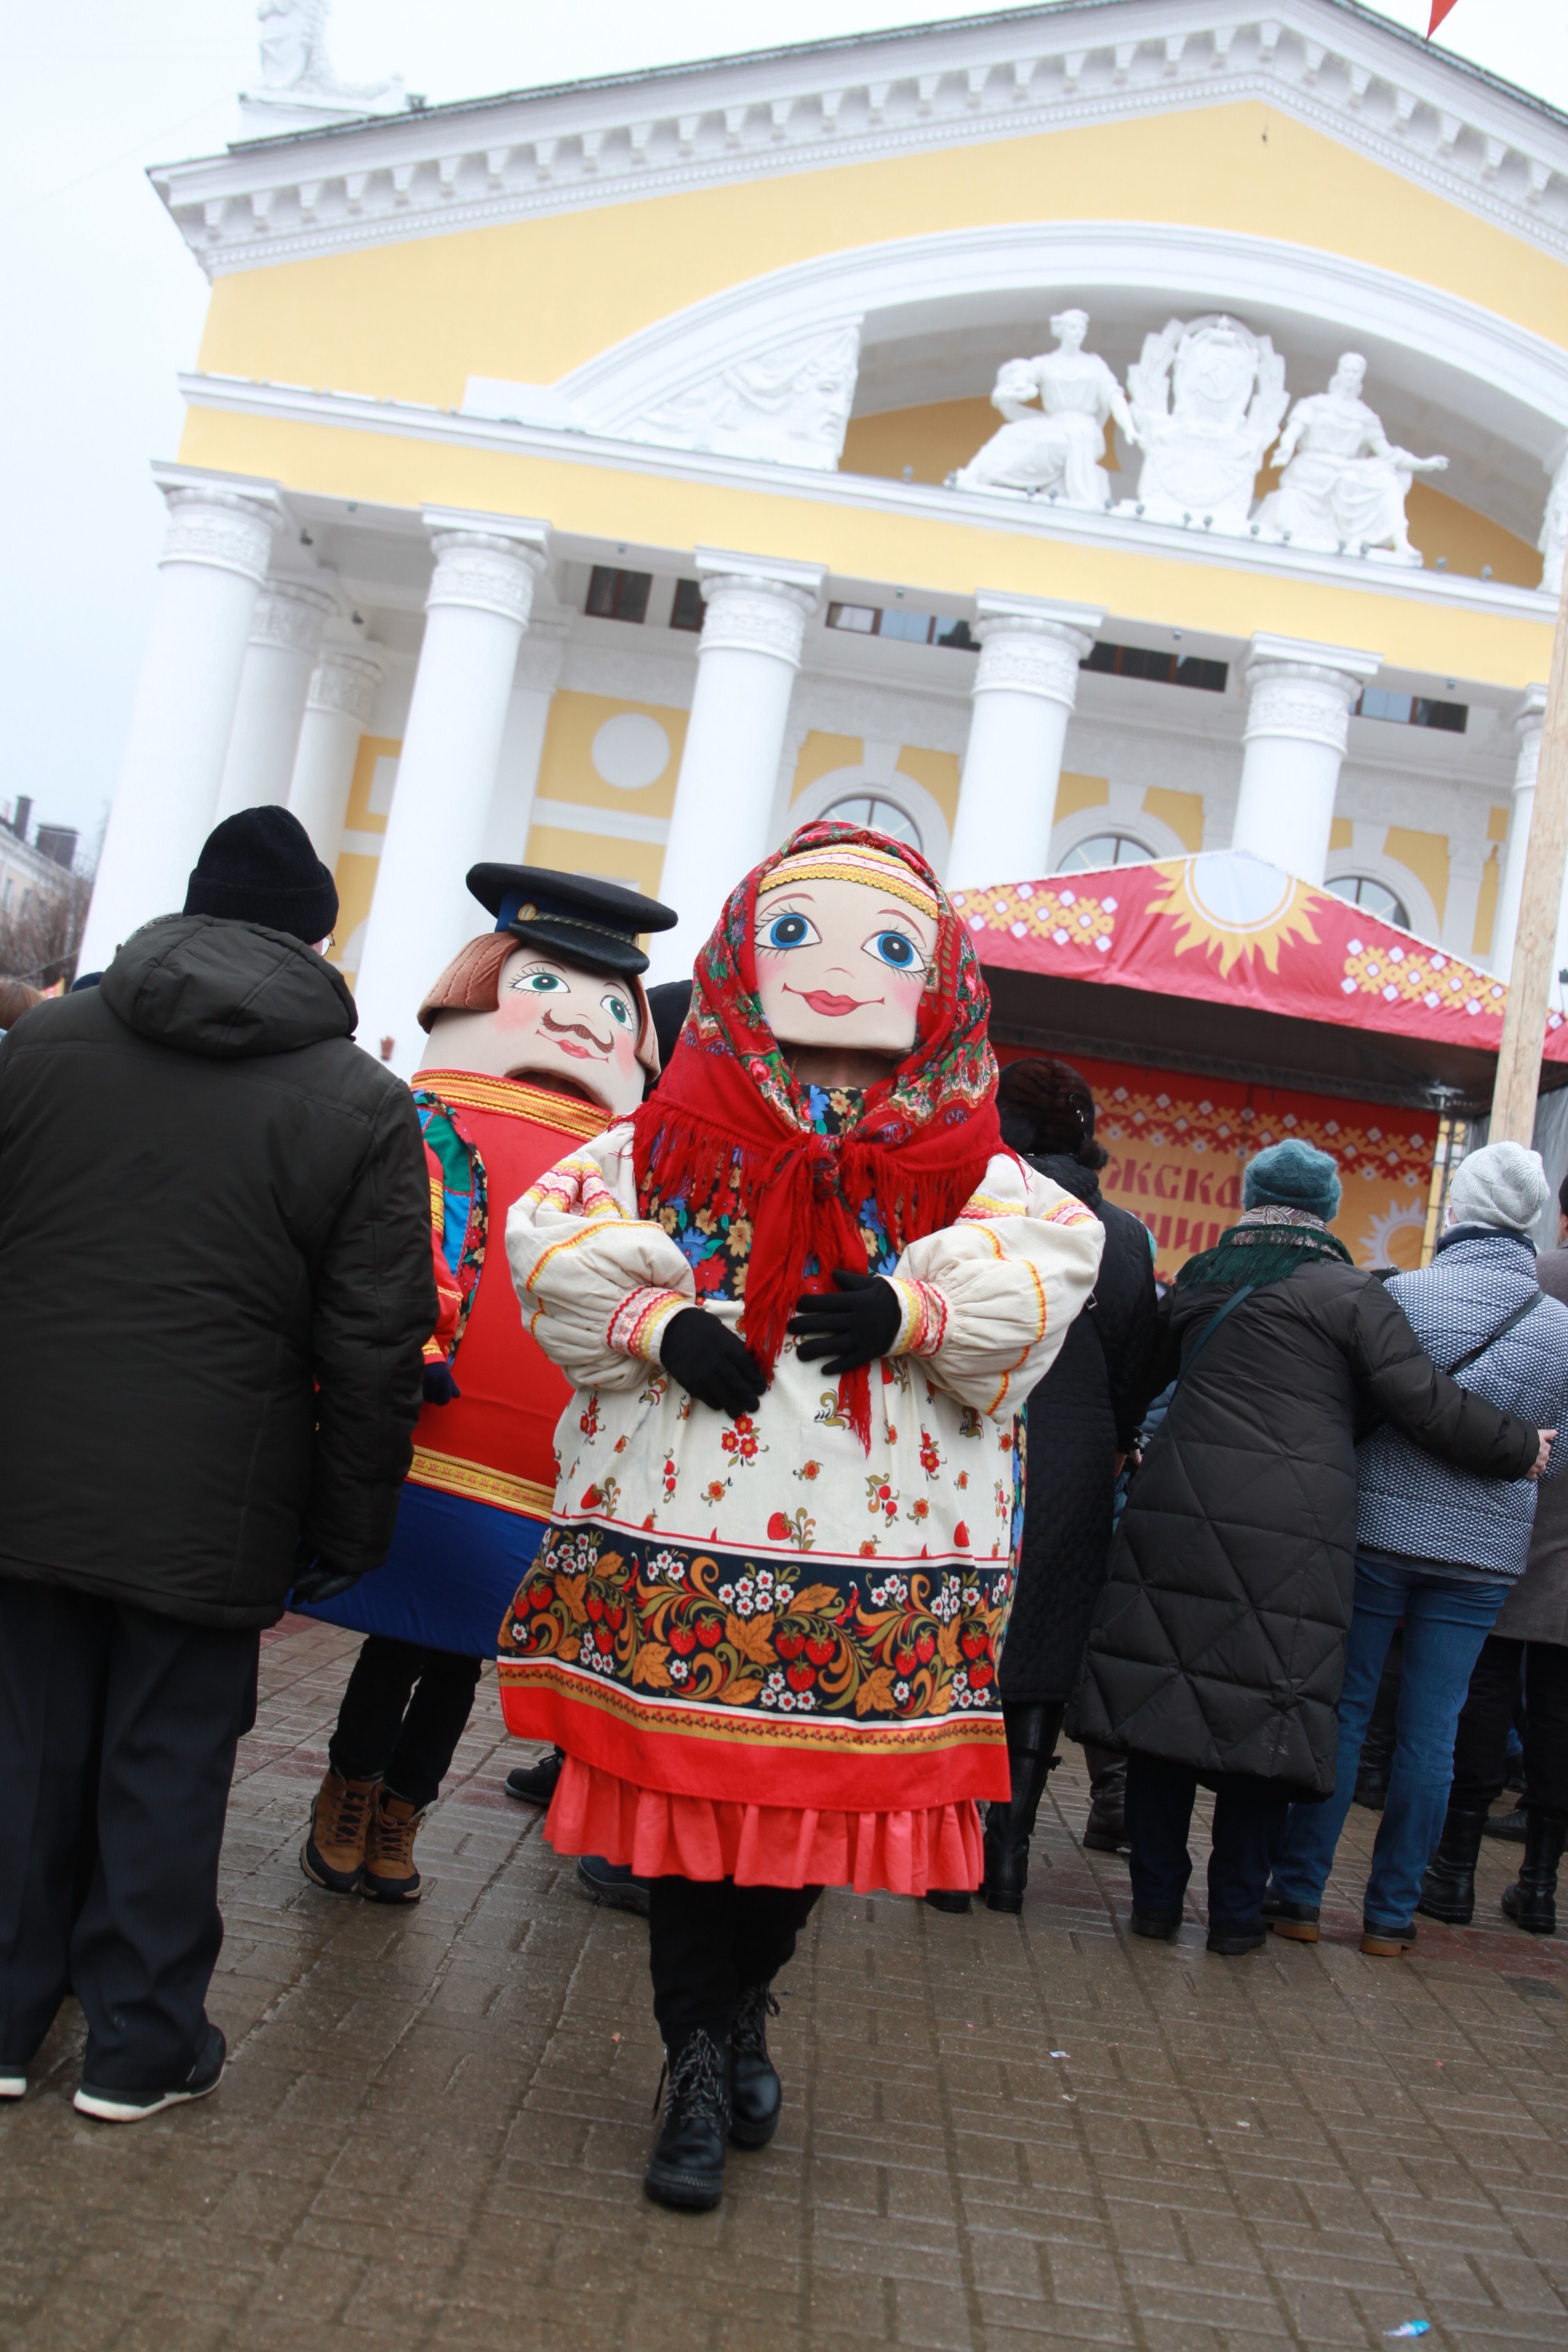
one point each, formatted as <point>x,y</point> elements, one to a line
<point>897,950</point>
<point>789,931</point>
<point>618,1010</point>
<point>541,983</point>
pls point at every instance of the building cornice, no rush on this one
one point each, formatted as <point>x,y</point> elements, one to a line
<point>1421,112</point>
<point>406,420</point>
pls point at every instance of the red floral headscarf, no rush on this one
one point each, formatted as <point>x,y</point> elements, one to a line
<point>728,1100</point>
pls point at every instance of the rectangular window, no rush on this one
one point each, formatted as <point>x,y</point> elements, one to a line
<point>1159,669</point>
<point>618,595</point>
<point>861,618</point>
<point>1412,711</point>
<point>893,621</point>
<point>686,612</point>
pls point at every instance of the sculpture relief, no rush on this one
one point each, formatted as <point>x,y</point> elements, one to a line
<point>1206,400</point>
<point>789,406</point>
<point>1058,447</point>
<point>1554,540</point>
<point>1344,483</point>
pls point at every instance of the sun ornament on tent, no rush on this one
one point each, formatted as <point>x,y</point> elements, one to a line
<point>1234,904</point>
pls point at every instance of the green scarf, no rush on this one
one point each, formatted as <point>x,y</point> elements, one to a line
<point>1266,1245</point>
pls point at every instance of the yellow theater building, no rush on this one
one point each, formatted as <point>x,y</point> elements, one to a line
<point>1082,435</point>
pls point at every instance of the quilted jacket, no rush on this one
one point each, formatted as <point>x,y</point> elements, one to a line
<point>1219,1640</point>
<point>215,1278</point>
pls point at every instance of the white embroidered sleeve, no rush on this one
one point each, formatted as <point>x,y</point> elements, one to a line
<point>987,1301</point>
<point>597,1282</point>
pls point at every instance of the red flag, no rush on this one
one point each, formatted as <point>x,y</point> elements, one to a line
<point>1439,10</point>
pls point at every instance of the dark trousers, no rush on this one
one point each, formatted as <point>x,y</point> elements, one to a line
<point>1248,1816</point>
<point>709,1941</point>
<point>1480,1744</point>
<point>118,1731</point>
<point>402,1714</point>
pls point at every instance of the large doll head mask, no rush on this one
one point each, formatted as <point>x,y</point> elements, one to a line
<point>554,995</point>
<point>845,940</point>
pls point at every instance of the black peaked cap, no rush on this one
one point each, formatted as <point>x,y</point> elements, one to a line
<point>572,915</point>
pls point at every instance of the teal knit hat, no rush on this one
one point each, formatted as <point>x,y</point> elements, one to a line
<point>1292,1175</point>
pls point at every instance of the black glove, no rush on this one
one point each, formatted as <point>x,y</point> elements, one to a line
<point>440,1388</point>
<point>852,1329</point>
<point>320,1580</point>
<point>705,1355</point>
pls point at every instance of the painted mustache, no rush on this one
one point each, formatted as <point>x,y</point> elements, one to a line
<point>565,1029</point>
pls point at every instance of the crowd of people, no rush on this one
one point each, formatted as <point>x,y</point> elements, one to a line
<point>758,1375</point>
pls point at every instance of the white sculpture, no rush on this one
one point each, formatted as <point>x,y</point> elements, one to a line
<point>299,82</point>
<point>1554,540</point>
<point>788,406</point>
<point>1058,447</point>
<point>1344,483</point>
<point>1206,400</point>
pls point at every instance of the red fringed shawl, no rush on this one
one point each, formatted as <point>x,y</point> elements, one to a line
<point>728,1100</point>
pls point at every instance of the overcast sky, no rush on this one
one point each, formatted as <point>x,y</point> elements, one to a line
<point>102,304</point>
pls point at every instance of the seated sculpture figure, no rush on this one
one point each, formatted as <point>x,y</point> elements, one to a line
<point>1344,483</point>
<point>1206,396</point>
<point>1056,448</point>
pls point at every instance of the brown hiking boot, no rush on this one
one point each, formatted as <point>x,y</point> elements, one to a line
<point>334,1853</point>
<point>389,1873</point>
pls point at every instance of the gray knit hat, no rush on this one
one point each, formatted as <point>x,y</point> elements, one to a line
<point>1293,1175</point>
<point>1502,1184</point>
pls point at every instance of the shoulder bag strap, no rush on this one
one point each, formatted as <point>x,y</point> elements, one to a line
<point>1237,1298</point>
<point>1472,1355</point>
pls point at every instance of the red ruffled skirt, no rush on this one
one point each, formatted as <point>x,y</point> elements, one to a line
<point>660,1836</point>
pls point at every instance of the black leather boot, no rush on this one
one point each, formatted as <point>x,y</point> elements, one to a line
<point>686,2166</point>
<point>1449,1889</point>
<point>1031,1735</point>
<point>756,2094</point>
<point>1532,1903</point>
<point>1105,1832</point>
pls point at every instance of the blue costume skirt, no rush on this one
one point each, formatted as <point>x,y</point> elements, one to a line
<point>450,1579</point>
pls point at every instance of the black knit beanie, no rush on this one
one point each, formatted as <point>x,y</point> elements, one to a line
<point>259,867</point>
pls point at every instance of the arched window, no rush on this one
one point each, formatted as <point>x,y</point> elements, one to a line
<point>1105,849</point>
<point>1377,897</point>
<point>882,816</point>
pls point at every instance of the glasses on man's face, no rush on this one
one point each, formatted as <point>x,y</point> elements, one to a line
<point>325,947</point>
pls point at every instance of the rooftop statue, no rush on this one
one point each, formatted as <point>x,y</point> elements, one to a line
<point>1344,483</point>
<point>1058,447</point>
<point>1554,540</point>
<point>297,75</point>
<point>1206,400</point>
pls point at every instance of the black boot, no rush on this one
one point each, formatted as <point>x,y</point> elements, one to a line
<point>1514,1826</point>
<point>686,2166</point>
<point>756,2094</point>
<point>1031,1735</point>
<point>1532,1903</point>
<point>1449,1889</point>
<point>1105,1832</point>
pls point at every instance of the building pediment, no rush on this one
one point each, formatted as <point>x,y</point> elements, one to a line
<point>1420,113</point>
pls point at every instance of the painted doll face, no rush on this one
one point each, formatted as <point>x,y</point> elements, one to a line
<point>555,1024</point>
<point>842,963</point>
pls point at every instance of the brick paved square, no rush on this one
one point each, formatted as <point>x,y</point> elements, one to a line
<point>433,2130</point>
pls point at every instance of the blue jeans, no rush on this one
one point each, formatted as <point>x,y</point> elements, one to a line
<point>1446,1619</point>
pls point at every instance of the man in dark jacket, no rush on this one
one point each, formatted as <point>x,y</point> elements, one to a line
<point>1218,1646</point>
<point>1080,1419</point>
<point>1441,1550</point>
<point>215,1288</point>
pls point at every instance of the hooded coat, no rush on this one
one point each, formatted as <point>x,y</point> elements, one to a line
<point>215,1278</point>
<point>1219,1640</point>
<point>1084,1412</point>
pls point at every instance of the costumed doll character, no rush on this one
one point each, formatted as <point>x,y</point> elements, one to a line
<point>540,1036</point>
<point>803,1295</point>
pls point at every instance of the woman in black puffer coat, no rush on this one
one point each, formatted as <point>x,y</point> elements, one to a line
<point>1219,1645</point>
<point>1080,1419</point>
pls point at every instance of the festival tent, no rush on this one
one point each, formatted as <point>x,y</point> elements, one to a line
<point>1216,1004</point>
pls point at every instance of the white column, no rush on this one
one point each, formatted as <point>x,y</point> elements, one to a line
<point>478,605</point>
<point>750,650</point>
<point>337,712</point>
<point>213,561</point>
<point>1529,720</point>
<point>1024,690</point>
<point>539,665</point>
<point>1298,697</point>
<point>1467,865</point>
<point>285,634</point>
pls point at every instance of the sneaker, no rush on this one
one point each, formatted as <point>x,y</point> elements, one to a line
<point>333,1854</point>
<point>13,2082</point>
<point>613,1883</point>
<point>135,2106</point>
<point>1297,1922</point>
<point>1387,1943</point>
<point>534,1784</point>
<point>389,1875</point>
